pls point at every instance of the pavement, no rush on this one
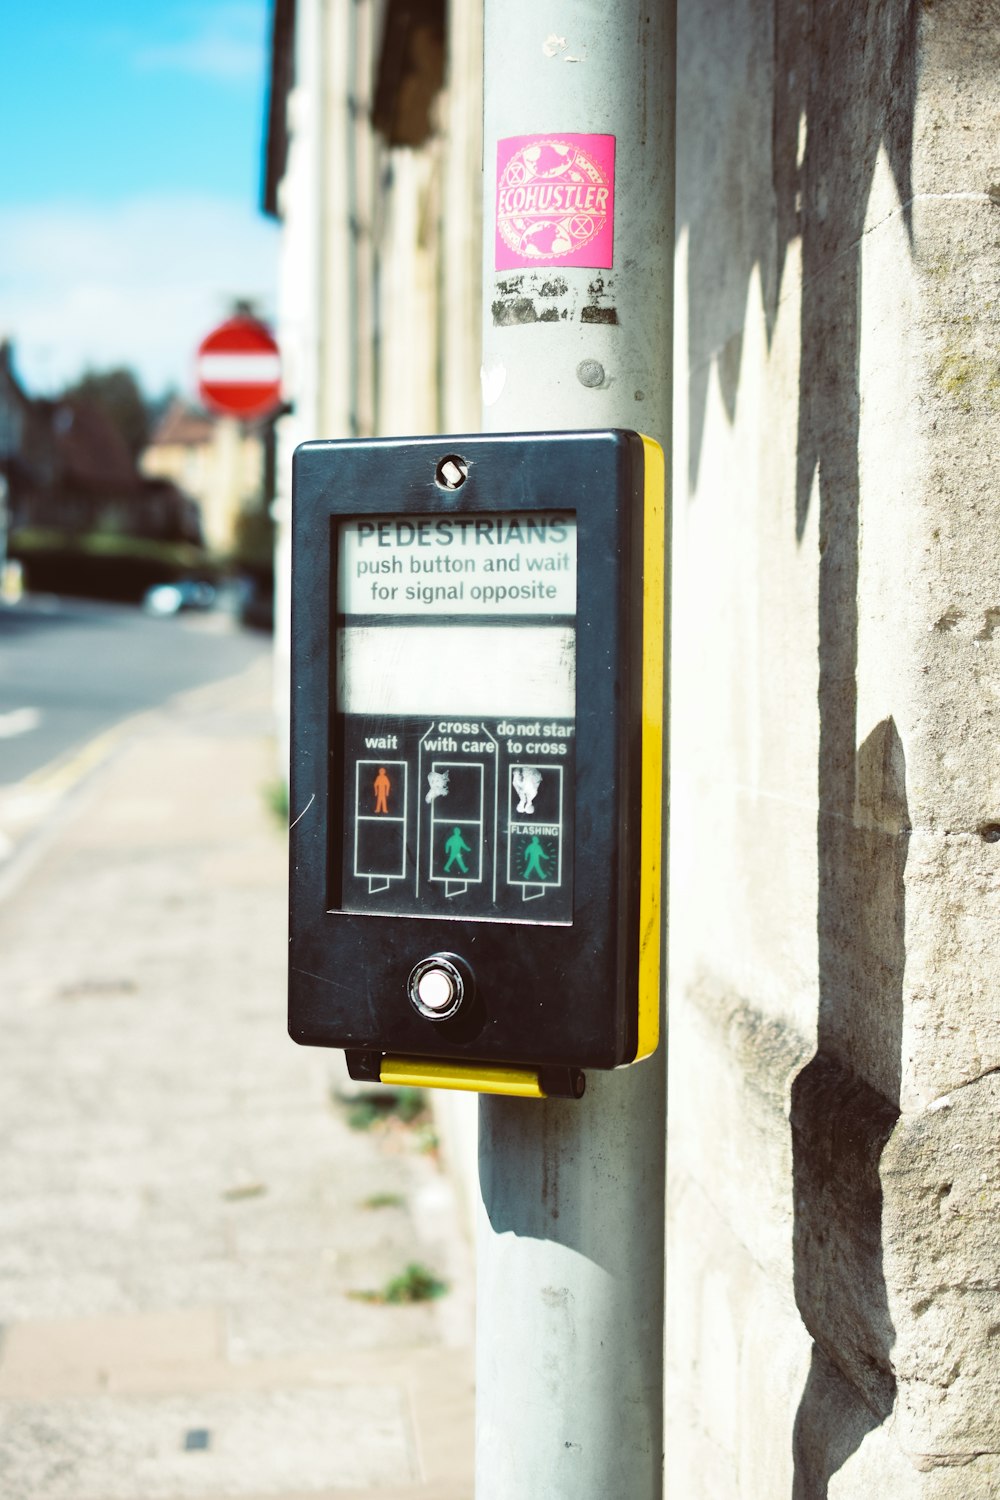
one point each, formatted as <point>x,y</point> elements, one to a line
<point>196,1234</point>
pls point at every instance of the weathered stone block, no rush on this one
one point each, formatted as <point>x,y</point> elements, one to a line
<point>955,129</point>
<point>840,1126</point>
<point>941,1178</point>
<point>836,716</point>
<point>952,1021</point>
<point>747,1061</point>
<point>738,1360</point>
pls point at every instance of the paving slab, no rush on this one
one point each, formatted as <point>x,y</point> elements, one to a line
<point>193,1238</point>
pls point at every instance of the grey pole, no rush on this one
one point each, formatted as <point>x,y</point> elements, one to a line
<point>570,1231</point>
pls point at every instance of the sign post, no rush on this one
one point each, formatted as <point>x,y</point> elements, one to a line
<point>577,333</point>
<point>239,369</point>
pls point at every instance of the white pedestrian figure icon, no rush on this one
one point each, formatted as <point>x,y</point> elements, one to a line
<point>527,780</point>
<point>437,783</point>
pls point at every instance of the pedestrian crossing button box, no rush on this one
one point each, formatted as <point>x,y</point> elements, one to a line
<point>476,756</point>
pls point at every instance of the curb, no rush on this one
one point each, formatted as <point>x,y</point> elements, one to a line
<point>27,826</point>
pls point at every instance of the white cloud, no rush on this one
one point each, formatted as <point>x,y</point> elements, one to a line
<point>227,43</point>
<point>139,283</point>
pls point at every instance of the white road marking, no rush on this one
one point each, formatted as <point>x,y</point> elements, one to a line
<point>19,721</point>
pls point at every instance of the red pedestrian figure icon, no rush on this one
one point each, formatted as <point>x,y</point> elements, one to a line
<point>381,786</point>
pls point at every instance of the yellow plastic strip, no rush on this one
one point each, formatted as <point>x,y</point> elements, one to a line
<point>654,570</point>
<point>477,1078</point>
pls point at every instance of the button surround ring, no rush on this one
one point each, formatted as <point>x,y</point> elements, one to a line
<point>438,986</point>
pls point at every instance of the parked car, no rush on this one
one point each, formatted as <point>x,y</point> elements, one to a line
<point>184,593</point>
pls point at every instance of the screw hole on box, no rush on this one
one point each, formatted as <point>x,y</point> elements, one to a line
<point>451,473</point>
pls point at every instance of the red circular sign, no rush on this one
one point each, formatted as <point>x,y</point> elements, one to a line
<point>239,369</point>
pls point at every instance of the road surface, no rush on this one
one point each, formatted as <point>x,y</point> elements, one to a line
<point>72,670</point>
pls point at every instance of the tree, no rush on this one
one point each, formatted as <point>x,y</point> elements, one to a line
<point>118,394</point>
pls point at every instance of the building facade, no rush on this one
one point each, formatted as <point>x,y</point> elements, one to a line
<point>217,461</point>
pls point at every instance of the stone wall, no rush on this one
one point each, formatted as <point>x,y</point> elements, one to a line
<point>834,1268</point>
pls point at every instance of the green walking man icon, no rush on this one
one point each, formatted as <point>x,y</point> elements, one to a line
<point>534,854</point>
<point>455,847</point>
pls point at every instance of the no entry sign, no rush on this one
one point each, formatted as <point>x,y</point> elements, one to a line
<point>239,369</point>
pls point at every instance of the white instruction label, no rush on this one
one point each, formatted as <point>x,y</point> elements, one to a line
<point>512,564</point>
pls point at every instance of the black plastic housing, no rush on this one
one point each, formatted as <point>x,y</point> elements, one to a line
<point>545,995</point>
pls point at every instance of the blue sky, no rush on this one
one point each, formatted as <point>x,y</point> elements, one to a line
<point>129,182</point>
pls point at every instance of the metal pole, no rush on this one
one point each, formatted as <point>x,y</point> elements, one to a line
<point>570,1232</point>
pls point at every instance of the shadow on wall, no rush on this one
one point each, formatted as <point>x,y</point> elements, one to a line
<point>827,85</point>
<point>841,1123</point>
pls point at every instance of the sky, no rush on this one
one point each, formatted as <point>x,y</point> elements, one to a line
<point>131,146</point>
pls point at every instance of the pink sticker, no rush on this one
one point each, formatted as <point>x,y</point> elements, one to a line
<point>555,201</point>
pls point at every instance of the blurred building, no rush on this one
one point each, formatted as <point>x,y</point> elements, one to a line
<point>27,450</point>
<point>218,461</point>
<point>373,167</point>
<point>80,515</point>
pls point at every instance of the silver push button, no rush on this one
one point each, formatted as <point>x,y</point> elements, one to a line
<point>436,990</point>
<point>436,987</point>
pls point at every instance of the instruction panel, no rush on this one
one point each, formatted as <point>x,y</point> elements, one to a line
<point>456,711</point>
